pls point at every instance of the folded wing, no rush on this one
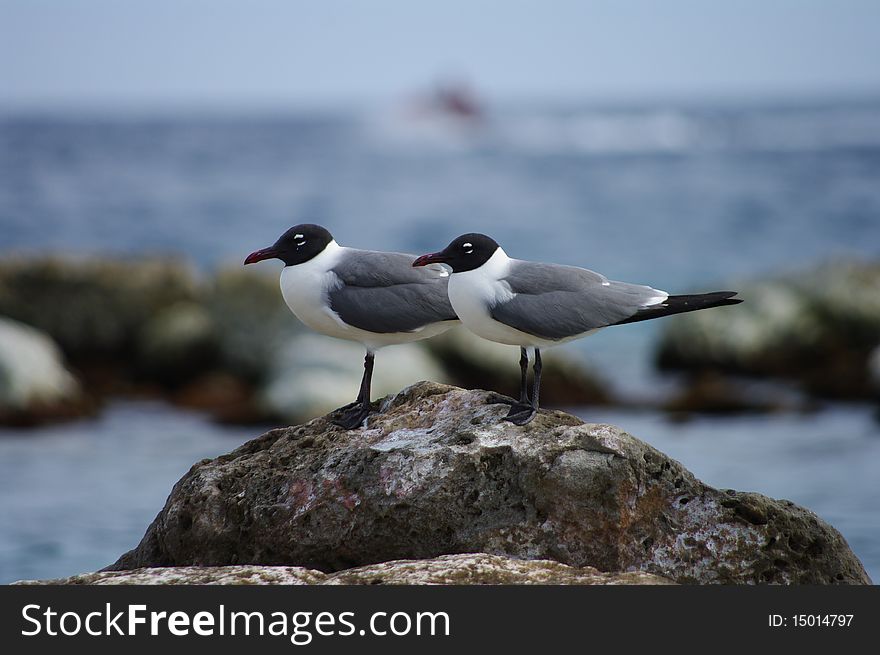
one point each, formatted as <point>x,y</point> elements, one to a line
<point>381,292</point>
<point>557,302</point>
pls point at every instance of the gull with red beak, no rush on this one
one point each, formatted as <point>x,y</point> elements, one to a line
<point>533,305</point>
<point>375,298</point>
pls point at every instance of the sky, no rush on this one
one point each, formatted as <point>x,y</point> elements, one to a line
<point>266,53</point>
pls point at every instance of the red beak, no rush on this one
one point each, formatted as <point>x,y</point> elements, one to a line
<point>260,255</point>
<point>431,258</point>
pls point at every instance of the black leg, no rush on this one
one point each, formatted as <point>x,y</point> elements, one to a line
<point>524,411</point>
<point>524,370</point>
<point>360,397</point>
<point>366,381</point>
<point>355,413</point>
<point>536,388</point>
<point>498,399</point>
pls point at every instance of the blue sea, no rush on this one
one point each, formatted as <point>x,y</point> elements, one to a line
<point>681,197</point>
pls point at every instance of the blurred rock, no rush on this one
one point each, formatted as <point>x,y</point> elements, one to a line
<point>439,472</point>
<point>251,320</point>
<point>708,392</point>
<point>470,568</point>
<point>35,387</point>
<point>94,307</point>
<point>178,344</point>
<point>817,328</point>
<point>874,370</point>
<point>476,363</point>
<point>227,398</point>
<point>312,374</point>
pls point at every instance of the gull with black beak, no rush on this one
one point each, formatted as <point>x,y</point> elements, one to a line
<point>534,305</point>
<point>375,298</point>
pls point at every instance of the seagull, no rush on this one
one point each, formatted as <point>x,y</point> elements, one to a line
<point>535,305</point>
<point>375,298</point>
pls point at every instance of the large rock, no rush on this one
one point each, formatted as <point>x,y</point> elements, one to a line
<point>438,472</point>
<point>817,328</point>
<point>472,568</point>
<point>35,385</point>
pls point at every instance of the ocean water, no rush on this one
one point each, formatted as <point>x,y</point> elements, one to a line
<point>683,198</point>
<point>78,495</point>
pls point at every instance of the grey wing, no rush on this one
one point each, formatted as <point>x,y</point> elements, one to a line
<point>556,302</point>
<point>381,292</point>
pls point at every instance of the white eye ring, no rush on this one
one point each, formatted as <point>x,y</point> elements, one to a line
<point>297,236</point>
<point>300,243</point>
<point>467,245</point>
<point>468,252</point>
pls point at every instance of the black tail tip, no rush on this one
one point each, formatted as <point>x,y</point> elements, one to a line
<point>727,297</point>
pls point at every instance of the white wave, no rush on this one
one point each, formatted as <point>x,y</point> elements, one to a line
<point>649,131</point>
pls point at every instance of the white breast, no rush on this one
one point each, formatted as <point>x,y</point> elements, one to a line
<point>304,288</point>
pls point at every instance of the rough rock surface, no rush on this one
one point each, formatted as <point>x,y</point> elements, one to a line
<point>817,328</point>
<point>438,472</point>
<point>471,568</point>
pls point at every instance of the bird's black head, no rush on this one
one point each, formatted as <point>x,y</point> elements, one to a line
<point>467,252</point>
<point>296,246</point>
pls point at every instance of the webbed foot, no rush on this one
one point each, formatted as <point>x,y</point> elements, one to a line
<point>353,417</point>
<point>520,413</point>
